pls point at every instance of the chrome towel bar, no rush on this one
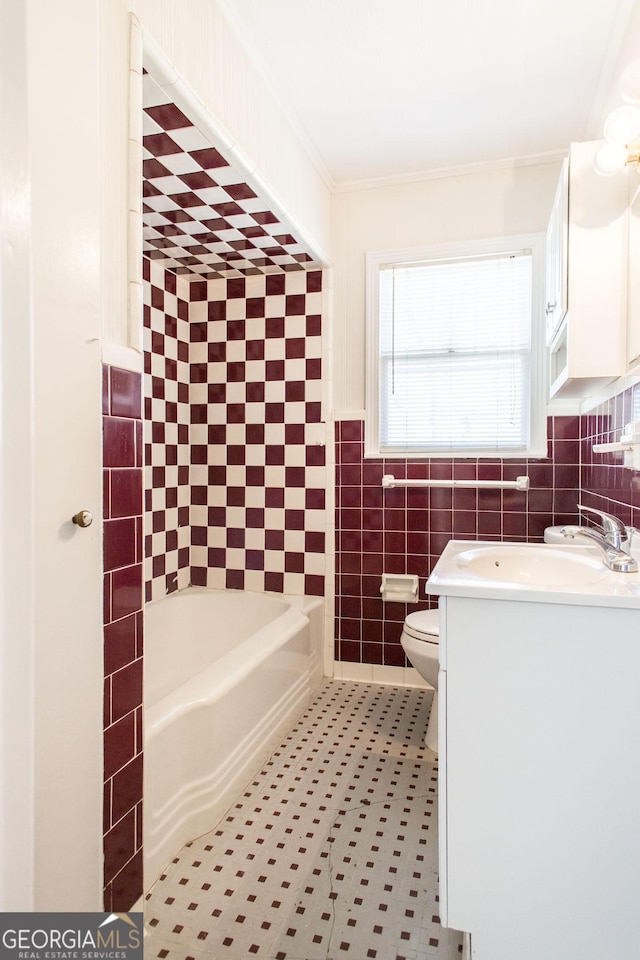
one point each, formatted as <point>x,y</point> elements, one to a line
<point>520,483</point>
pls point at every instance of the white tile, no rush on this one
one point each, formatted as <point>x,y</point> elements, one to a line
<point>274,518</point>
<point>255,371</point>
<point>413,679</point>
<point>274,561</point>
<point>295,326</point>
<point>362,672</point>
<point>294,584</point>
<point>294,541</point>
<point>294,498</point>
<point>254,497</point>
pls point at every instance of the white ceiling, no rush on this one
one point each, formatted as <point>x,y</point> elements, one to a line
<point>385,90</point>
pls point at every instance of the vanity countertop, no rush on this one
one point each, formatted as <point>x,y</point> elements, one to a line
<point>533,572</point>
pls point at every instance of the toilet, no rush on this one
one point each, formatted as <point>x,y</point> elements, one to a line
<point>420,642</point>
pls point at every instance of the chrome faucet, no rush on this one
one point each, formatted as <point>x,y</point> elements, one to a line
<point>613,529</point>
<point>609,541</point>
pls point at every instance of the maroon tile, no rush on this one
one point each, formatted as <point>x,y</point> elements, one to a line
<point>294,476</point>
<point>313,368</point>
<point>168,116</point>
<point>234,580</point>
<point>314,281</point>
<point>126,493</point>
<point>106,598</point>
<point>566,451</point>
<point>105,389</point>
<point>106,493</point>
<point>160,145</point>
<point>293,562</point>
<point>274,582</point>
<point>566,428</point>
<point>119,845</point>
<point>126,393</point>
<point>371,652</point>
<point>314,542</point>
<point>120,643</point>
<point>119,745</point>
<point>515,525</point>
<point>126,887</point>
<point>126,689</point>
<point>274,327</point>
<point>126,591</point>
<point>565,502</point>
<point>315,499</point>
<point>119,543</point>
<point>314,585</point>
<point>314,325</point>
<point>274,539</point>
<point>489,522</point>
<point>197,289</point>
<point>126,789</point>
<point>349,651</point>
<point>393,655</point>
<point>540,500</point>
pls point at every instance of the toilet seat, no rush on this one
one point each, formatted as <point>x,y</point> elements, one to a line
<point>423,625</point>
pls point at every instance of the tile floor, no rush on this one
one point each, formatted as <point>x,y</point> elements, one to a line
<point>330,852</point>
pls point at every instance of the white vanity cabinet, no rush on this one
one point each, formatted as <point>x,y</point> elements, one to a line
<point>540,778</point>
<point>586,277</point>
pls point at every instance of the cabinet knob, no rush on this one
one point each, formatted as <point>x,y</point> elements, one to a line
<point>83,519</point>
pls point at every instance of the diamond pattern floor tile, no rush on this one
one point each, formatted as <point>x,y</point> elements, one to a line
<point>330,851</point>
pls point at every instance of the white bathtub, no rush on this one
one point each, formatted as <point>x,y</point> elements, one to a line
<point>226,673</point>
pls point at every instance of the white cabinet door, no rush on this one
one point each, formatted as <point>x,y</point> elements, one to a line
<point>587,347</point>
<point>50,445</point>
<point>633,319</point>
<point>539,742</point>
<point>556,256</point>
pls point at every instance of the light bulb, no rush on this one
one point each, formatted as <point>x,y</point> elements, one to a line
<point>630,82</point>
<point>622,125</point>
<point>610,159</point>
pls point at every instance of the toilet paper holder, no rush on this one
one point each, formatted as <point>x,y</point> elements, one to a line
<point>400,587</point>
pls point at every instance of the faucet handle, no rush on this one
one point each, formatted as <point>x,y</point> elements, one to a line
<point>613,529</point>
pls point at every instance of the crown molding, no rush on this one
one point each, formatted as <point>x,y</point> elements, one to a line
<point>462,170</point>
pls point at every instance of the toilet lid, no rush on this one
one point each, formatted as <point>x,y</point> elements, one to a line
<point>423,625</point>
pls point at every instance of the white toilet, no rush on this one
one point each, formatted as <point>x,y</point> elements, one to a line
<point>420,641</point>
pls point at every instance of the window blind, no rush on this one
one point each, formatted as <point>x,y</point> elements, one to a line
<point>455,354</point>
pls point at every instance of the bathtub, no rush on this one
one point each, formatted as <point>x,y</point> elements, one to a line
<point>226,674</point>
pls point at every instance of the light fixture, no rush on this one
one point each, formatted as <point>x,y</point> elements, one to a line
<point>622,128</point>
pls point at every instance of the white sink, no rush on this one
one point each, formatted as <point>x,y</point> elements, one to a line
<point>531,564</point>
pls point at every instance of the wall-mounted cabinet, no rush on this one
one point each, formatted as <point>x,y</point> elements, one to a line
<point>556,257</point>
<point>586,296</point>
<point>633,319</point>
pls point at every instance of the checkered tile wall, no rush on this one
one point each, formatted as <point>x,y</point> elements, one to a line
<point>236,470</point>
<point>258,475</point>
<point>201,214</point>
<point>167,419</point>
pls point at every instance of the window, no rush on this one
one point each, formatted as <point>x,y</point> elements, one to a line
<point>455,351</point>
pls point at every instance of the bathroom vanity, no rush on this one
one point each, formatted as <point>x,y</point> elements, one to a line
<point>539,750</point>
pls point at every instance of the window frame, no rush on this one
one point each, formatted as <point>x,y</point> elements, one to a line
<point>375,260</point>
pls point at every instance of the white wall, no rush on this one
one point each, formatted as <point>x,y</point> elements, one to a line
<point>198,41</point>
<point>490,204</point>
